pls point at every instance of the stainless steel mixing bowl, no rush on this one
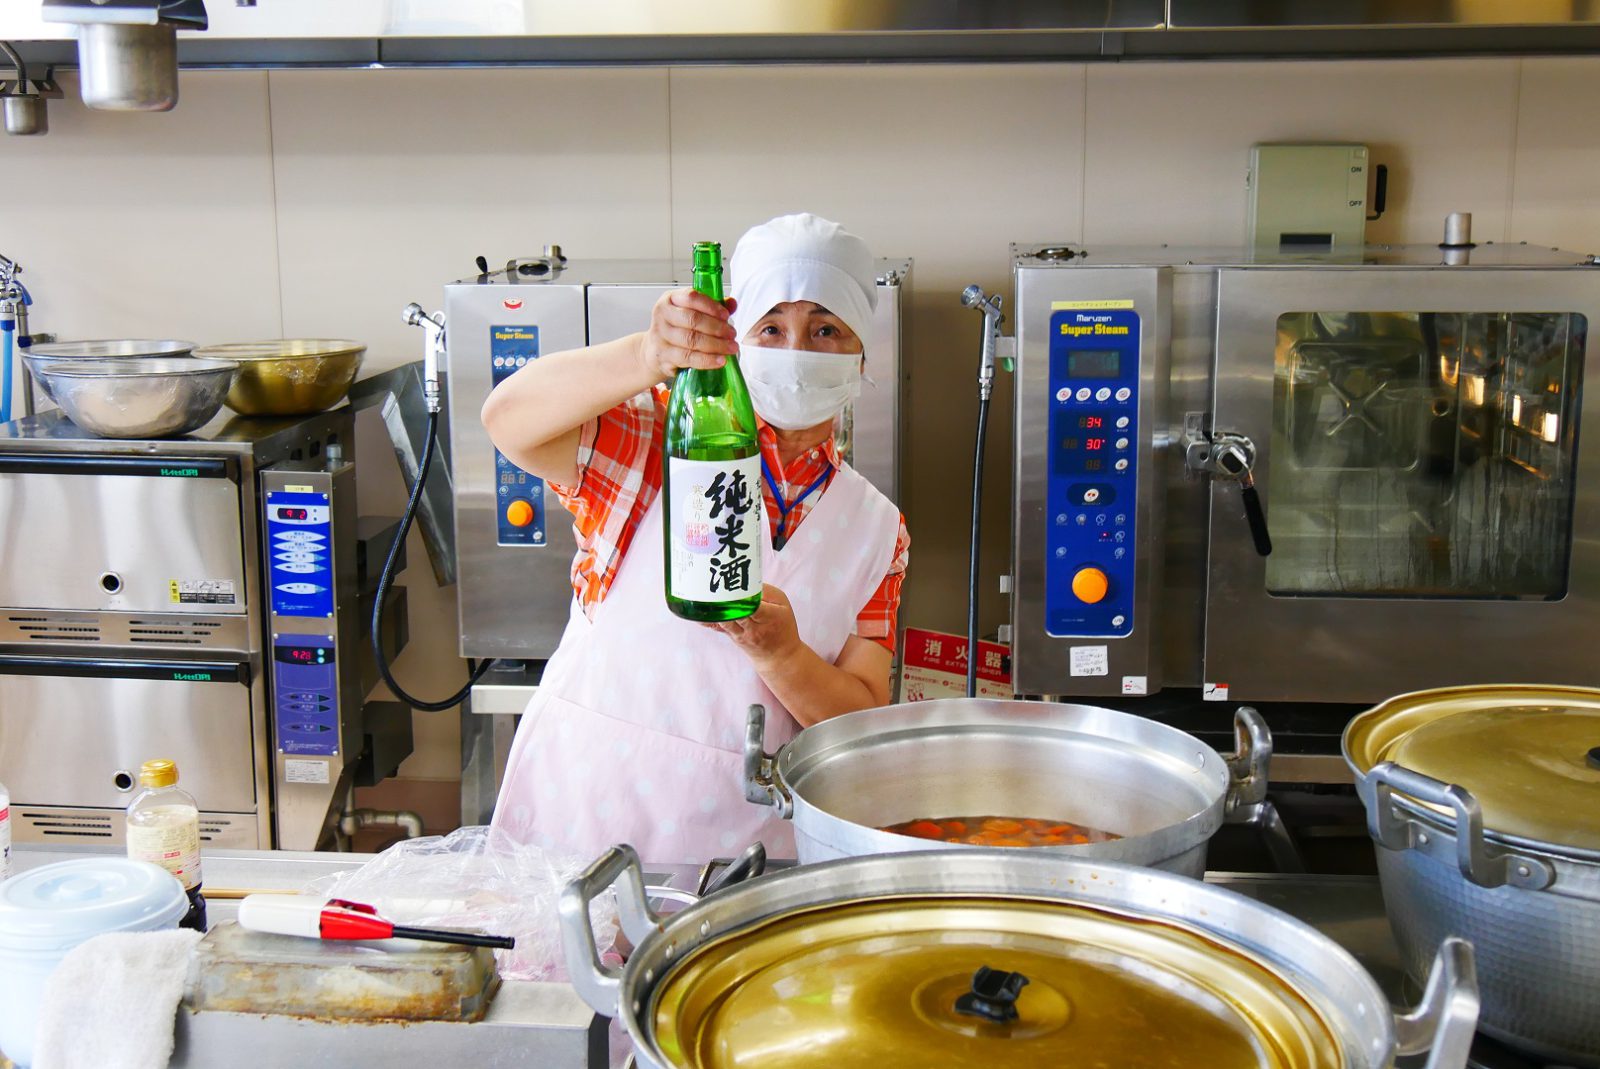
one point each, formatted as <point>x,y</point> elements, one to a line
<point>98,349</point>
<point>103,348</point>
<point>139,397</point>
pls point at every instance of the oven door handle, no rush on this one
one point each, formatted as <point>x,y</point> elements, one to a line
<point>149,467</point>
<point>110,668</point>
<point>1232,456</point>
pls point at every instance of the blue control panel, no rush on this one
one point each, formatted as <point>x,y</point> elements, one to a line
<point>306,694</point>
<point>299,554</point>
<point>1093,460</point>
<point>519,509</point>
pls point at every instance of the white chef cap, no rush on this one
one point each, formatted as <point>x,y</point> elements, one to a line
<point>803,258</point>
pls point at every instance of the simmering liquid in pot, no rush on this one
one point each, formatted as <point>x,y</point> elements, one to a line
<point>1001,831</point>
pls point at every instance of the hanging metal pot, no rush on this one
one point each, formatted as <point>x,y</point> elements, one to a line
<point>1161,790</point>
<point>981,958</point>
<point>1485,804</point>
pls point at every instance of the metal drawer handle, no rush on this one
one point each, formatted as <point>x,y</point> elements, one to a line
<point>598,984</point>
<point>1394,830</point>
<point>1444,1021</point>
<point>763,783</point>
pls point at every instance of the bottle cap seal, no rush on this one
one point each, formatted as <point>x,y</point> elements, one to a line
<point>158,773</point>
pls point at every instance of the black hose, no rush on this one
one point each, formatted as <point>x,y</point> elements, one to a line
<point>386,580</point>
<point>972,565</point>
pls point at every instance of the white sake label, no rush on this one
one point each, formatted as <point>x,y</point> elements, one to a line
<point>5,841</point>
<point>714,517</point>
<point>171,840</point>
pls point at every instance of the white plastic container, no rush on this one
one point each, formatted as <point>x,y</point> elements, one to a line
<point>47,911</point>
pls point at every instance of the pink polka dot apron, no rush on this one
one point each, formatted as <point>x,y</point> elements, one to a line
<point>636,733</point>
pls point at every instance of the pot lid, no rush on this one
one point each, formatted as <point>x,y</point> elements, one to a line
<point>62,904</point>
<point>949,981</point>
<point>283,348</point>
<point>1529,754</point>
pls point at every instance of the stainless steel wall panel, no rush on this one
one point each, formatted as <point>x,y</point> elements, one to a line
<point>1041,663</point>
<point>513,599</point>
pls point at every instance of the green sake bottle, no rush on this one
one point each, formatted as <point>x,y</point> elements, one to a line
<point>711,484</point>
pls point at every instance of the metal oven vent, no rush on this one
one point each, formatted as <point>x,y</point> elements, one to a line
<point>51,825</point>
<point>46,824</point>
<point>53,627</point>
<point>185,632</point>
<point>224,830</point>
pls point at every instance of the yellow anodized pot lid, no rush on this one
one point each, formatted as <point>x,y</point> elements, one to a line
<point>1530,755</point>
<point>948,982</point>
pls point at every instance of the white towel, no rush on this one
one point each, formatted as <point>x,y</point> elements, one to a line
<point>113,1001</point>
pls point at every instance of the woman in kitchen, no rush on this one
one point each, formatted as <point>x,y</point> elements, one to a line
<point>636,732</point>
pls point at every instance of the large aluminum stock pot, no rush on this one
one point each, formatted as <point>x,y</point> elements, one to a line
<point>960,959</point>
<point>1485,803</point>
<point>1164,791</point>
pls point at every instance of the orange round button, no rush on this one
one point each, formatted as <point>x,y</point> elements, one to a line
<point>1090,585</point>
<point>520,514</point>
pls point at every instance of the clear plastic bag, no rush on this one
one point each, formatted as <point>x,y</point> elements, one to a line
<point>478,878</point>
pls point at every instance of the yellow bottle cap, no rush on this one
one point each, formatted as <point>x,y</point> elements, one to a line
<point>160,773</point>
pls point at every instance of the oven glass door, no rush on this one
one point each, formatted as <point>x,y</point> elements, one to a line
<point>1419,461</point>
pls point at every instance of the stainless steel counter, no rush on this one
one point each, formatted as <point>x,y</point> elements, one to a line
<point>1349,909</point>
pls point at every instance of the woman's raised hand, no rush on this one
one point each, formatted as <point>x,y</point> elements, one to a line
<point>687,329</point>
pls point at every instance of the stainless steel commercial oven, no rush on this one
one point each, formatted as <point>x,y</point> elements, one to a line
<point>513,542</point>
<point>193,598</point>
<point>1412,423</point>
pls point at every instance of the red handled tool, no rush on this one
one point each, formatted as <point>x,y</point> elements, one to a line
<point>335,918</point>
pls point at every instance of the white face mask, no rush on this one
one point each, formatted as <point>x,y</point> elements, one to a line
<point>793,389</point>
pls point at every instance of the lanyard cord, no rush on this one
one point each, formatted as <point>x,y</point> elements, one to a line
<point>781,539</point>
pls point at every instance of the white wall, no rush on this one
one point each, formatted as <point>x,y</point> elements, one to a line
<point>318,203</point>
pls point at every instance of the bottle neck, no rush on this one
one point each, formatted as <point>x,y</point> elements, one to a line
<point>709,283</point>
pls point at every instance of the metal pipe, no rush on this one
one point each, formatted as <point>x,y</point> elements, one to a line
<point>353,820</point>
<point>1457,230</point>
<point>16,61</point>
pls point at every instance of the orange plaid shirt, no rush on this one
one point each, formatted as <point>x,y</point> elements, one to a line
<point>619,475</point>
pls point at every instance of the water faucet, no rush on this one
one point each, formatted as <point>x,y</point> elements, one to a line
<point>973,297</point>
<point>433,343</point>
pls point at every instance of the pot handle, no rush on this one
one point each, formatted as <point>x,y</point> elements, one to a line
<point>600,985</point>
<point>1394,830</point>
<point>763,784</point>
<point>1444,1021</point>
<point>1247,767</point>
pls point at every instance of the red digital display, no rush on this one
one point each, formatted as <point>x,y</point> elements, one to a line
<point>1091,422</point>
<point>312,655</point>
<point>1094,443</point>
<point>292,514</point>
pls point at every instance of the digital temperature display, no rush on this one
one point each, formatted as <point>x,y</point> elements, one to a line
<point>1081,442</point>
<point>304,654</point>
<point>292,514</point>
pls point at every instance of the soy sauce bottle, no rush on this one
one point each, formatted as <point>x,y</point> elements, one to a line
<point>164,829</point>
